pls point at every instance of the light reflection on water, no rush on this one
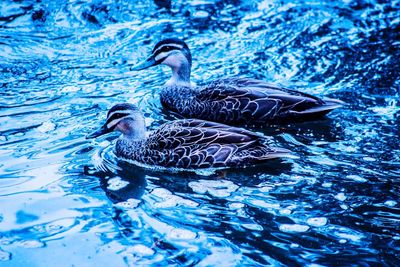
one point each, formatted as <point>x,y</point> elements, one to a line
<point>69,200</point>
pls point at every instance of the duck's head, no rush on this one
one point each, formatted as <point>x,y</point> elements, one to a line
<point>174,53</point>
<point>125,118</point>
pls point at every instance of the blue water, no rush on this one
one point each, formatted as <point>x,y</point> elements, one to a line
<point>67,201</point>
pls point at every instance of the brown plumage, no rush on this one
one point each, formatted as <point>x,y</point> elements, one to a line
<point>230,100</point>
<point>186,143</point>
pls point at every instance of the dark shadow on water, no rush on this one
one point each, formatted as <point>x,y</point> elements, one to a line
<point>133,178</point>
<point>163,3</point>
<point>324,128</point>
<point>178,182</point>
<point>248,176</point>
<point>122,182</point>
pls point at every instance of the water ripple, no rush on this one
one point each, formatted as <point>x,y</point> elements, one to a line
<point>65,63</point>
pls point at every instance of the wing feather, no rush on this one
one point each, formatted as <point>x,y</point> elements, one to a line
<point>245,99</point>
<point>199,143</point>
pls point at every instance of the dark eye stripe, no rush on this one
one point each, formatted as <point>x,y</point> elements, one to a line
<point>166,48</point>
<point>116,116</point>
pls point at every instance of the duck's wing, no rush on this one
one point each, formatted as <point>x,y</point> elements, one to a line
<point>292,99</point>
<point>209,125</point>
<point>251,88</point>
<point>260,99</point>
<point>197,143</point>
<point>200,133</point>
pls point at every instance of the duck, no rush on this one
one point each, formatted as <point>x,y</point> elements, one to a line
<point>186,143</point>
<point>230,100</point>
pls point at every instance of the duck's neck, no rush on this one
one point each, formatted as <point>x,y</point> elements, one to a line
<point>180,67</point>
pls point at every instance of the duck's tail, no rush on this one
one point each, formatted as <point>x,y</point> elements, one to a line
<point>260,155</point>
<point>316,112</point>
<point>275,152</point>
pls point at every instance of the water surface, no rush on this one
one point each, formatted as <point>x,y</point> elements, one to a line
<point>68,201</point>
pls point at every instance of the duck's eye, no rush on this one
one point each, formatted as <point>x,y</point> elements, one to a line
<point>119,115</point>
<point>116,116</point>
<point>166,48</point>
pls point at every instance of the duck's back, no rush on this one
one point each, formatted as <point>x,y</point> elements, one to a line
<point>245,101</point>
<point>201,144</point>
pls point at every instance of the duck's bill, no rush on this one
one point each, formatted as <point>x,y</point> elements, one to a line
<point>151,61</point>
<point>99,132</point>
